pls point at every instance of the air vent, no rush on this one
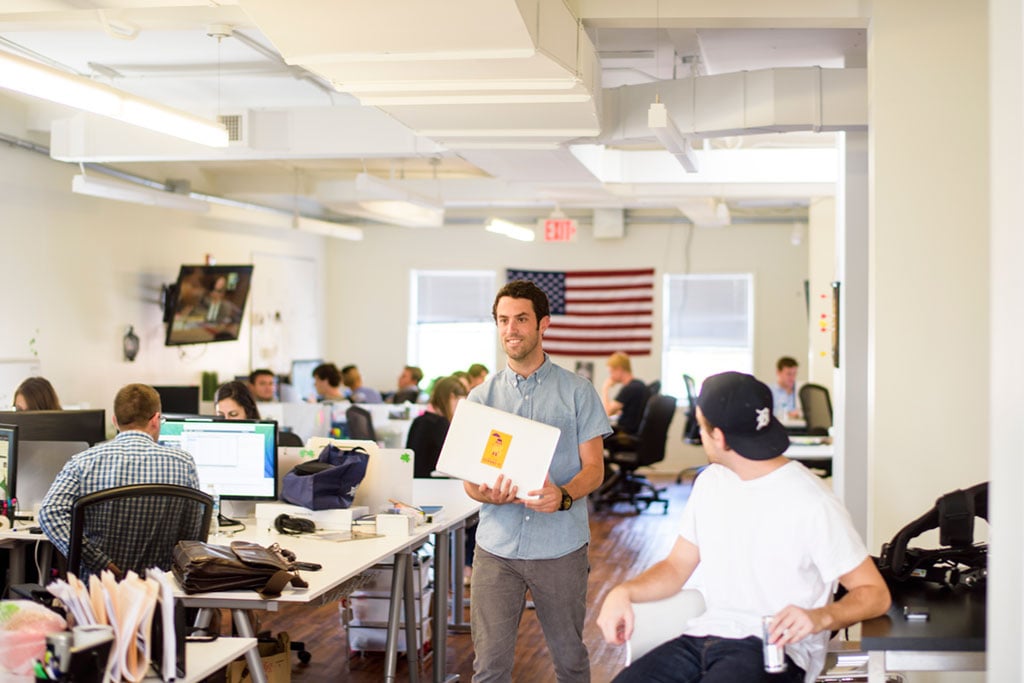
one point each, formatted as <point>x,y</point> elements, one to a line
<point>235,124</point>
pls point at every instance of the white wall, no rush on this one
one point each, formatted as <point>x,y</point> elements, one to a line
<point>76,271</point>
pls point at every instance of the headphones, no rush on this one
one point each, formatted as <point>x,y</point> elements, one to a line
<point>962,563</point>
<point>286,524</point>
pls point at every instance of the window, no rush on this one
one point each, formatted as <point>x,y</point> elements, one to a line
<point>451,326</point>
<point>708,327</point>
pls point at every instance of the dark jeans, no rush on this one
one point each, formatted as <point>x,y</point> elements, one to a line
<point>723,660</point>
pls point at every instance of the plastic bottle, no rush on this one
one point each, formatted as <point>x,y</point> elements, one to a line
<point>211,491</point>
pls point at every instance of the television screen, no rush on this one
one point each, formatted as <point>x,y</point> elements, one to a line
<point>237,457</point>
<point>206,304</point>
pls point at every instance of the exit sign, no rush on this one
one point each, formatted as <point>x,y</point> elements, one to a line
<point>559,229</point>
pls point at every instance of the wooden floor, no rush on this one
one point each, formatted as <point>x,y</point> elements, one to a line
<point>622,544</point>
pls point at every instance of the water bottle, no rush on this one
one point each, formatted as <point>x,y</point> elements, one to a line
<point>211,491</point>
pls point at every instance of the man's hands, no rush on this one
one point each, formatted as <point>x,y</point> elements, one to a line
<point>792,624</point>
<point>503,491</point>
<point>616,617</point>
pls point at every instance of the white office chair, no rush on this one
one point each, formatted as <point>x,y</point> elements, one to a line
<point>655,622</point>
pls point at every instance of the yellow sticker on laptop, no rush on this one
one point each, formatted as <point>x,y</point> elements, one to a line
<point>496,449</point>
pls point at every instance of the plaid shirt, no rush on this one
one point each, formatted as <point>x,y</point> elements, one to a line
<point>130,458</point>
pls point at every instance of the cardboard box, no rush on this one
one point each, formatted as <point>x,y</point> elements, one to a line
<point>376,609</point>
<point>363,638</point>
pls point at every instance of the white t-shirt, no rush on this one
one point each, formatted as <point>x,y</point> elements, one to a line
<point>781,539</point>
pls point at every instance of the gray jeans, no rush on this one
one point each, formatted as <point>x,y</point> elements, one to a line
<point>559,591</point>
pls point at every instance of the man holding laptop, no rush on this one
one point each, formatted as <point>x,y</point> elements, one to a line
<point>538,543</point>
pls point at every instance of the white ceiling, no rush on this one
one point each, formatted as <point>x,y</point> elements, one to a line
<point>575,80</point>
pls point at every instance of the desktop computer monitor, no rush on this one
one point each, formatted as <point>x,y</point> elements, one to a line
<point>89,426</point>
<point>237,457</point>
<point>302,378</point>
<point>8,458</point>
<point>183,400</point>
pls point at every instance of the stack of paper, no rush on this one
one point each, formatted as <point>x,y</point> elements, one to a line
<point>128,607</point>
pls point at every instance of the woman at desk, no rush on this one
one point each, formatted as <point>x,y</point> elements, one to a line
<point>427,432</point>
<point>234,401</point>
<point>36,393</point>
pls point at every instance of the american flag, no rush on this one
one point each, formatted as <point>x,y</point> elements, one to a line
<point>596,312</point>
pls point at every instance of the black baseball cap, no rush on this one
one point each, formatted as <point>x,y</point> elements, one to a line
<point>741,406</point>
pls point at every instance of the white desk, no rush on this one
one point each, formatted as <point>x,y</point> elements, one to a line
<point>347,559</point>
<point>815,456</point>
<point>203,659</point>
<point>18,541</point>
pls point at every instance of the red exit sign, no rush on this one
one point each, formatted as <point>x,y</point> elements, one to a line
<point>559,230</point>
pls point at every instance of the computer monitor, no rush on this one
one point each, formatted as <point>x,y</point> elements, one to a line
<point>302,378</point>
<point>8,458</point>
<point>89,426</point>
<point>183,400</point>
<point>237,457</point>
<point>36,466</point>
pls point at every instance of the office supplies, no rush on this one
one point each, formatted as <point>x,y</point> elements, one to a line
<point>484,442</point>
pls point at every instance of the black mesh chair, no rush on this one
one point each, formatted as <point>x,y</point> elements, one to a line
<point>135,527</point>
<point>817,409</point>
<point>290,439</point>
<point>627,453</point>
<point>360,424</point>
<point>654,388</point>
<point>691,430</point>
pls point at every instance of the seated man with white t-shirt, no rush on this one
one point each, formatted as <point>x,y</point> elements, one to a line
<point>771,539</point>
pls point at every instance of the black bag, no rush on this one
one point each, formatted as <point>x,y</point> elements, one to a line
<point>202,567</point>
<point>327,483</point>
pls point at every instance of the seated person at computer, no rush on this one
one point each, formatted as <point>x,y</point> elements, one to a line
<point>357,393</point>
<point>784,389</point>
<point>263,385</point>
<point>631,399</point>
<point>36,393</point>
<point>477,374</point>
<point>408,385</point>
<point>428,431</point>
<point>327,382</point>
<point>132,457</point>
<point>234,401</point>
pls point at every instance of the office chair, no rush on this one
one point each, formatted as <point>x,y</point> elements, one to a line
<point>817,409</point>
<point>135,527</point>
<point>627,453</point>
<point>360,424</point>
<point>289,439</point>
<point>654,388</point>
<point>691,430</point>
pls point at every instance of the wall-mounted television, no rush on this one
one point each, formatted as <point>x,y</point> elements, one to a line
<point>206,304</point>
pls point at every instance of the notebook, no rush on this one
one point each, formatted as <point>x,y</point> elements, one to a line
<point>484,442</point>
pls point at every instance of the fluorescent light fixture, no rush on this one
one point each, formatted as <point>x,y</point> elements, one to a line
<point>457,85</point>
<point>136,194</point>
<point>516,232</point>
<point>496,98</point>
<point>38,80</point>
<point>669,135</point>
<point>264,216</point>
<point>385,202</point>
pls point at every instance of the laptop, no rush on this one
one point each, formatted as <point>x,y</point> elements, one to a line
<point>484,442</point>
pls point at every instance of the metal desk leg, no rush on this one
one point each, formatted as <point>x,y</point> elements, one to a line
<point>458,619</point>
<point>394,609</point>
<point>252,655</point>
<point>442,573</point>
<point>412,643</point>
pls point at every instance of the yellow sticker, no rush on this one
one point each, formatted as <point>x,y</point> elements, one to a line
<point>496,449</point>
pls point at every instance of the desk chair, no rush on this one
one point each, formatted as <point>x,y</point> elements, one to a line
<point>360,424</point>
<point>654,388</point>
<point>289,439</point>
<point>691,430</point>
<point>136,527</point>
<point>626,453</point>
<point>817,408</point>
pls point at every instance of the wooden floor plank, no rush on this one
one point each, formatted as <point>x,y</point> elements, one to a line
<point>622,544</point>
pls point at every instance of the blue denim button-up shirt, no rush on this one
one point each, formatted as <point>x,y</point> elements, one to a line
<point>557,397</point>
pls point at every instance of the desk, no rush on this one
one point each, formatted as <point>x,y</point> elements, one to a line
<point>817,456</point>
<point>953,639</point>
<point>345,560</point>
<point>203,659</point>
<point>18,541</point>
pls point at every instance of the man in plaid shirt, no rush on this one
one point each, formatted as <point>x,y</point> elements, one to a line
<point>132,457</point>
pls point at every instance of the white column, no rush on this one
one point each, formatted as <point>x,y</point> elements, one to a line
<point>928,363</point>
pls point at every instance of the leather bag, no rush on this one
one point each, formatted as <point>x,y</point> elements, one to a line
<point>203,567</point>
<point>329,482</point>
